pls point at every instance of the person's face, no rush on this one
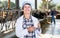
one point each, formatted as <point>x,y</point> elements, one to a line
<point>27,9</point>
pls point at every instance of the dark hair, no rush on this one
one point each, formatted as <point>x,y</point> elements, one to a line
<point>26,4</point>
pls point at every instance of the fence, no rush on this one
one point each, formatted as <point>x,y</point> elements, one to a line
<point>8,19</point>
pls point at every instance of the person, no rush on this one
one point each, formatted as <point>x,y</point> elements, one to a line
<point>27,26</point>
<point>53,14</point>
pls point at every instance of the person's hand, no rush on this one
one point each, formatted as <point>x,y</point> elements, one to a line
<point>31,29</point>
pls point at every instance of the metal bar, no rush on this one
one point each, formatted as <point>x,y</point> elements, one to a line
<point>35,4</point>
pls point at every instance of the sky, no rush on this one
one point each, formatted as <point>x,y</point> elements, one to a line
<point>56,1</point>
<point>29,1</point>
<point>33,2</point>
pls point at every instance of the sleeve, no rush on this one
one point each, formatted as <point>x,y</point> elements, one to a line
<point>20,32</point>
<point>37,25</point>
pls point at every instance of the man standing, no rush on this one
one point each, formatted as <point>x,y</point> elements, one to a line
<point>27,26</point>
<point>53,14</point>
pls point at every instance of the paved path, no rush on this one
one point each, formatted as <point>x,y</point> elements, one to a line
<point>53,29</point>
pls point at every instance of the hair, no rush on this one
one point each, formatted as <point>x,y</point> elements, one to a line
<point>26,4</point>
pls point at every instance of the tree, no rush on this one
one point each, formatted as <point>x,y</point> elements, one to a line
<point>0,4</point>
<point>50,5</point>
<point>13,5</point>
<point>58,7</point>
<point>5,4</point>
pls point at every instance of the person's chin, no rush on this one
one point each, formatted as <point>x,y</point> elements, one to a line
<point>28,13</point>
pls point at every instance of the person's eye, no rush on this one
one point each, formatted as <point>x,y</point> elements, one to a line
<point>28,7</point>
<point>25,7</point>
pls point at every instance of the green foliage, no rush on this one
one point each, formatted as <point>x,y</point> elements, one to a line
<point>50,5</point>
<point>0,4</point>
<point>13,5</point>
<point>58,7</point>
<point>5,4</point>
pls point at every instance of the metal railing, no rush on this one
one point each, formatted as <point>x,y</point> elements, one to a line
<point>8,19</point>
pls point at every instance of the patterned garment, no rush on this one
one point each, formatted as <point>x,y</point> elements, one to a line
<point>28,23</point>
